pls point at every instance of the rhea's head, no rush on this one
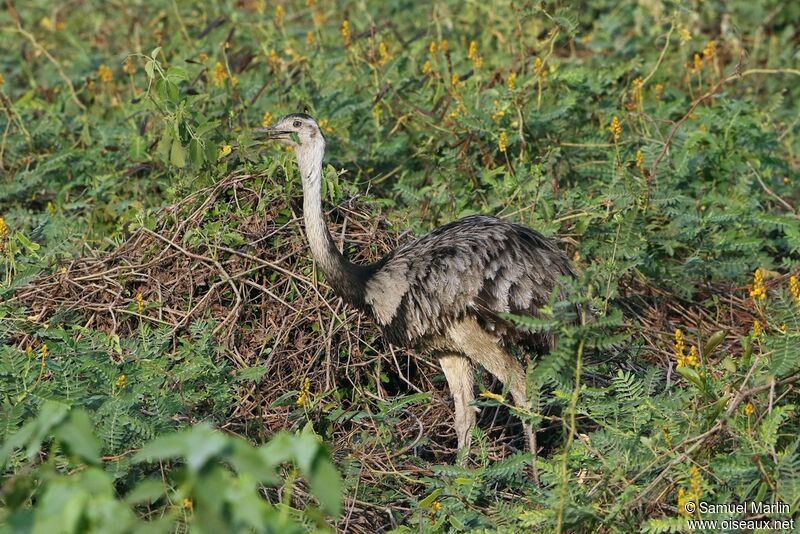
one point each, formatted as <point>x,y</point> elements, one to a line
<point>301,132</point>
<point>297,130</point>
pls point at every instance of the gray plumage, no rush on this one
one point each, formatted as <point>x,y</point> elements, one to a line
<point>442,292</point>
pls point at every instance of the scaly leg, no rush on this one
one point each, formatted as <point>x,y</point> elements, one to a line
<point>458,372</point>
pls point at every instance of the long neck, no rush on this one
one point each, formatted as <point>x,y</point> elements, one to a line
<point>347,280</point>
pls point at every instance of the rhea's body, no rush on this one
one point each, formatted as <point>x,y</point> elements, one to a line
<point>442,292</point>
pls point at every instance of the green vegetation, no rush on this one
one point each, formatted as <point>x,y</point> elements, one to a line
<point>171,359</point>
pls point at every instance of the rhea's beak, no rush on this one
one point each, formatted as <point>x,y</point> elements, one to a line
<point>270,133</point>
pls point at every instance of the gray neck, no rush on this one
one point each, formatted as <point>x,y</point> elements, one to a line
<point>344,277</point>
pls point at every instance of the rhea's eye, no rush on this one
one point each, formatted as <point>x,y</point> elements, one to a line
<point>296,124</point>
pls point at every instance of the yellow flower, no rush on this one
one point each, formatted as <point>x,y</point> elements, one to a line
<point>502,143</point>
<point>432,48</point>
<point>710,50</point>
<point>758,291</point>
<point>640,161</point>
<point>786,179</point>
<point>305,392</point>
<point>383,53</point>
<point>794,287</point>
<point>202,57</point>
<point>684,35</point>
<point>426,68</point>
<point>29,351</point>
<point>679,346</point>
<point>757,328</point>
<point>492,396</point>
<point>749,409</point>
<point>323,124</point>
<point>266,120</point>
<point>698,63</point>
<point>46,23</point>
<point>497,115</point>
<point>454,79</point>
<point>310,38</point>
<point>436,506</point>
<point>220,74</point>
<point>225,150</point>
<point>444,46</point>
<point>659,90</point>
<point>3,234</point>
<point>105,74</point>
<point>188,504</point>
<point>279,13</point>
<point>139,302</point>
<point>44,351</point>
<point>121,381</point>
<point>472,54</point>
<point>696,481</point>
<point>615,128</point>
<point>346,33</point>
<point>512,81</point>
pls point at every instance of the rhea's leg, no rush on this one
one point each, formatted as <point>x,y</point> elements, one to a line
<point>458,372</point>
<point>481,347</point>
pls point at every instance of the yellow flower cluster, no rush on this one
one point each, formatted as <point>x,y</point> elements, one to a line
<point>615,128</point>
<point>749,409</point>
<point>659,90</point>
<point>139,302</point>
<point>432,48</point>
<point>758,292</point>
<point>3,234</point>
<point>512,81</point>
<point>225,150</point>
<point>305,392</point>
<point>310,38</point>
<point>426,67</point>
<point>188,504</point>
<point>757,331</point>
<point>695,491</point>
<point>220,74</point>
<point>685,360</point>
<point>44,351</point>
<point>472,54</point>
<point>346,33</point>
<point>710,50</point>
<point>502,142</point>
<point>691,360</point>
<point>105,74</point>
<point>640,162</point>
<point>279,13</point>
<point>266,120</point>
<point>121,382</point>
<point>794,287</point>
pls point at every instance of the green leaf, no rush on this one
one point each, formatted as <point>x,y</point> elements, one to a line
<point>177,155</point>
<point>76,435</point>
<point>138,148</point>
<point>714,341</point>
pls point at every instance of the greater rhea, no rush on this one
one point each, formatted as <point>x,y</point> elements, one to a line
<point>443,292</point>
